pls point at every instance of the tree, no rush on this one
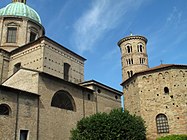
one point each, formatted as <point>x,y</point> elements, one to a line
<point>117,125</point>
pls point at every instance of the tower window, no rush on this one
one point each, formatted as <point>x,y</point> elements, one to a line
<point>130,73</point>
<point>4,109</point>
<point>11,34</point>
<point>166,90</point>
<point>66,71</point>
<point>162,124</point>
<point>140,47</point>
<point>129,49</point>
<point>32,36</point>
<point>129,61</point>
<point>142,60</point>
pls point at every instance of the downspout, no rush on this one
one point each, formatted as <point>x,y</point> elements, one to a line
<point>95,91</point>
<point>38,118</point>
<point>17,114</point>
<point>83,103</point>
<point>38,115</point>
<point>2,69</point>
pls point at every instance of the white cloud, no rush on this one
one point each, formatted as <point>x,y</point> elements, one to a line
<point>174,17</point>
<point>102,16</point>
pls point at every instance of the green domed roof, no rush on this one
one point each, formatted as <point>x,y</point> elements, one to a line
<point>21,10</point>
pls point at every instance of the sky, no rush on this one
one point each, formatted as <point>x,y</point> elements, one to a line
<point>92,29</point>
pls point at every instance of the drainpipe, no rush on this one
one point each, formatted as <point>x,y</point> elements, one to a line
<point>95,92</point>
<point>38,118</point>
<point>17,115</point>
<point>83,103</point>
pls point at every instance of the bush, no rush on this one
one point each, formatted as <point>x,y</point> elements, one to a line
<point>117,125</point>
<point>174,137</point>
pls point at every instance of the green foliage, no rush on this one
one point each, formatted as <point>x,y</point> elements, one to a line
<point>117,125</point>
<point>174,137</point>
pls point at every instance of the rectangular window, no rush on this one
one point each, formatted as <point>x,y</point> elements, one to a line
<point>11,35</point>
<point>23,134</point>
<point>32,36</point>
<point>66,71</point>
<point>17,67</point>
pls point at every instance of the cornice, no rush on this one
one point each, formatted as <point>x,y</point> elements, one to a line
<point>131,38</point>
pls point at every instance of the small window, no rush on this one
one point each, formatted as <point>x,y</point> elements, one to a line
<point>129,49</point>
<point>4,109</point>
<point>23,134</point>
<point>33,36</point>
<point>99,91</point>
<point>17,66</point>
<point>128,73</point>
<point>131,72</point>
<point>116,97</point>
<point>11,34</point>
<point>142,60</point>
<point>66,71</point>
<point>166,90</point>
<point>129,61</point>
<point>140,48</point>
<point>162,124</point>
<point>89,97</point>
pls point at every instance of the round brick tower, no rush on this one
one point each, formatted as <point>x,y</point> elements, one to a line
<point>133,55</point>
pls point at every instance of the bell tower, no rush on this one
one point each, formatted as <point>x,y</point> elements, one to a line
<point>133,55</point>
<point>22,1</point>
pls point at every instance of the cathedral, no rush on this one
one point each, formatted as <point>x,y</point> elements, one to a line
<point>158,94</point>
<point>42,92</point>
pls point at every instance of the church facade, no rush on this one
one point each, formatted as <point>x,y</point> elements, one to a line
<point>158,94</point>
<point>42,92</point>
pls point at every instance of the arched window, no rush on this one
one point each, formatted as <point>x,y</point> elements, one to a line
<point>166,90</point>
<point>128,73</point>
<point>131,72</point>
<point>4,109</point>
<point>162,124</point>
<point>33,34</point>
<point>140,48</point>
<point>62,99</point>
<point>129,49</point>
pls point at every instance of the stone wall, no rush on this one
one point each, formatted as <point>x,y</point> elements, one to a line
<point>30,57</point>
<point>54,59</point>
<point>23,108</point>
<point>148,99</point>
<point>56,123</point>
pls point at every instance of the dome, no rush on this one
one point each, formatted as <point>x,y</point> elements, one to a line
<point>19,9</point>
